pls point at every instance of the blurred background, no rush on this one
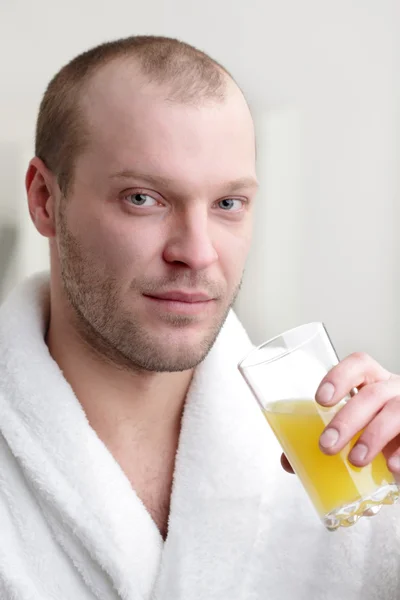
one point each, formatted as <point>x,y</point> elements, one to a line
<point>322,79</point>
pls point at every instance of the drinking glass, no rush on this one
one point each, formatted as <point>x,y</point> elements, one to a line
<point>284,374</point>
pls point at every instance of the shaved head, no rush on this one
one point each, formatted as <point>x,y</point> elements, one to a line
<point>187,76</point>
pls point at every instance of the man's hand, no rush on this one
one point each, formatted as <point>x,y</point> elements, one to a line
<point>376,409</point>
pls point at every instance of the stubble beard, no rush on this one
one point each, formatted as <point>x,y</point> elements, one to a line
<point>113,332</point>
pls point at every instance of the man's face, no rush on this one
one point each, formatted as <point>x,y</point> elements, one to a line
<point>153,237</point>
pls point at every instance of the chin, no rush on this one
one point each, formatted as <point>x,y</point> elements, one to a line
<point>175,355</point>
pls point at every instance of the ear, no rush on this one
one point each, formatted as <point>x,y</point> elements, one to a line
<point>42,189</point>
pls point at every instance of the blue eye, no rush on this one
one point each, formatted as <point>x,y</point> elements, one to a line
<point>141,200</point>
<point>229,205</point>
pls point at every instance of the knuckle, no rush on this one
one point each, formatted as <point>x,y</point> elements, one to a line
<point>361,357</point>
<point>373,436</point>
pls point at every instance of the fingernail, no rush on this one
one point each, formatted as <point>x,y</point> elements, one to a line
<point>325,394</point>
<point>358,453</point>
<point>394,463</point>
<point>329,437</point>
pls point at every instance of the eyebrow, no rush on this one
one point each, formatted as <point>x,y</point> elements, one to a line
<point>158,180</point>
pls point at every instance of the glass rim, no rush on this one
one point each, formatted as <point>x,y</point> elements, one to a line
<point>318,324</point>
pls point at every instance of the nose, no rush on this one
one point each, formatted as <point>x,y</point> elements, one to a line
<point>190,242</point>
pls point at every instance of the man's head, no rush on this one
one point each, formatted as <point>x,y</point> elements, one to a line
<point>143,181</point>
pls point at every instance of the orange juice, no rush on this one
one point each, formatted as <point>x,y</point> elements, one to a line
<point>331,481</point>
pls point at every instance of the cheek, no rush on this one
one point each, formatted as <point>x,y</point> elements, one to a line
<point>232,248</point>
<point>113,246</point>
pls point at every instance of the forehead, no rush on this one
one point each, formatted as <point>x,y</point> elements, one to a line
<point>131,124</point>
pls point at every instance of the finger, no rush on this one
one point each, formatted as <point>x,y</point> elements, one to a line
<point>392,455</point>
<point>392,449</point>
<point>286,464</point>
<point>379,433</point>
<point>356,414</point>
<point>355,371</point>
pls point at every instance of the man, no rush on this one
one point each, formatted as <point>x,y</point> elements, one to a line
<point>134,462</point>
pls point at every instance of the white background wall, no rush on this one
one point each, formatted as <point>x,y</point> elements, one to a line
<point>322,78</point>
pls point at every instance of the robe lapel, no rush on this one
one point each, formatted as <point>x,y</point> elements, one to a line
<point>219,483</point>
<point>95,515</point>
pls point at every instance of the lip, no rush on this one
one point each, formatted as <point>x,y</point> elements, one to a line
<point>183,303</point>
<point>182,296</point>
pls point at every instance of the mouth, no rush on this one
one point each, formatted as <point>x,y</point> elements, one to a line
<point>181,302</point>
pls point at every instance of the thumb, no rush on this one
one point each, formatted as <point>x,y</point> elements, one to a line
<point>286,464</point>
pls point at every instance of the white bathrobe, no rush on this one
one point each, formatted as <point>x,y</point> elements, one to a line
<point>240,528</point>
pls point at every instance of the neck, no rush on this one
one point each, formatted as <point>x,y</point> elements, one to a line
<point>119,404</point>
